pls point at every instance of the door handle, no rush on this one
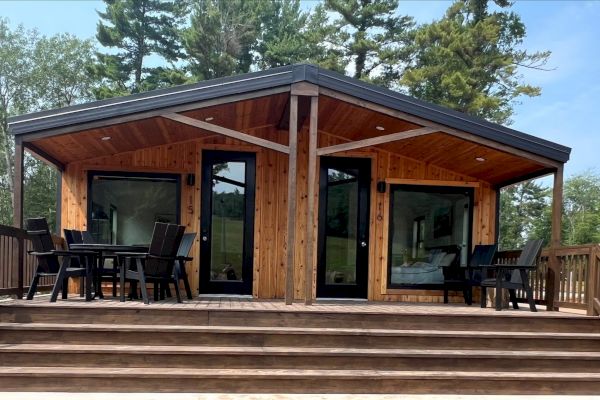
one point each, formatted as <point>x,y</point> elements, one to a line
<point>363,243</point>
<point>204,238</point>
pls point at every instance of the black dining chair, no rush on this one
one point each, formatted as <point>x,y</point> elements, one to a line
<point>182,257</point>
<point>156,266</point>
<point>73,264</point>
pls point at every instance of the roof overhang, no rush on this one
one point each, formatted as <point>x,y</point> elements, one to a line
<point>181,98</point>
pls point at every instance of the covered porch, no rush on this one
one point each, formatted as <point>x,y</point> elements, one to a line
<point>295,123</point>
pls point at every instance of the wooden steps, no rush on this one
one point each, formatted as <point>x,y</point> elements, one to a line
<point>115,356</point>
<point>80,314</point>
<point>293,337</point>
<point>147,349</point>
<point>294,381</point>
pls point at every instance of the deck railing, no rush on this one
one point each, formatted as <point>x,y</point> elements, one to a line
<point>577,284</point>
<point>577,280</point>
<point>16,265</point>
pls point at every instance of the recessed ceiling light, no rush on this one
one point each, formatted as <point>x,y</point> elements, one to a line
<point>480,159</point>
<point>380,128</point>
<point>207,119</point>
<point>105,138</point>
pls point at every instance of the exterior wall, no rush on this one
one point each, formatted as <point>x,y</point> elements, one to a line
<point>271,208</point>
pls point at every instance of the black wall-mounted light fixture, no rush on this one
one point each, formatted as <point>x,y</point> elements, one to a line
<point>381,186</point>
<point>191,179</point>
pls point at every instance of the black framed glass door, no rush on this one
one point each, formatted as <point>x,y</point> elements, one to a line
<point>343,244</point>
<point>227,222</point>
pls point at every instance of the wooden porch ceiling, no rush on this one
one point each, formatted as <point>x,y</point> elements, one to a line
<point>265,117</point>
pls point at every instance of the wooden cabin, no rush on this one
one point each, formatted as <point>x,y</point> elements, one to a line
<point>300,182</point>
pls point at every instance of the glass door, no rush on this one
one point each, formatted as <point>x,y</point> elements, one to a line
<point>227,222</point>
<point>343,246</point>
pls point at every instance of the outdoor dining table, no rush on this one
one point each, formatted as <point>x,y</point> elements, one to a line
<point>103,249</point>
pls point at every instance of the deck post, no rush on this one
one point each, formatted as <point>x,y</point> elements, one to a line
<point>310,217</point>
<point>18,184</point>
<point>552,280</point>
<point>291,199</point>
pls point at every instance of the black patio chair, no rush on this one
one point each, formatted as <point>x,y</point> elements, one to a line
<point>181,274</point>
<point>483,254</point>
<point>513,276</point>
<point>182,256</point>
<point>157,266</point>
<point>74,263</point>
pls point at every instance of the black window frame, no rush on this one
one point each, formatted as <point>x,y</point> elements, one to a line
<point>469,191</point>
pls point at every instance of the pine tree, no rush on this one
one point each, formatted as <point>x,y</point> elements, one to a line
<point>220,37</point>
<point>470,61</point>
<point>371,36</point>
<point>137,29</point>
<point>289,35</point>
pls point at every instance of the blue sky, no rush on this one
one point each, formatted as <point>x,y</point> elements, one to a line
<point>567,112</point>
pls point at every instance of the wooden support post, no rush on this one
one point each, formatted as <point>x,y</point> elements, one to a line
<point>592,287</point>
<point>18,184</point>
<point>552,280</point>
<point>310,217</point>
<point>291,214</point>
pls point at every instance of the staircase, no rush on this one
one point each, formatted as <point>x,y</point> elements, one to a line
<point>160,349</point>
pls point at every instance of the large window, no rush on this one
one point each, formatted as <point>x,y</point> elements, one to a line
<point>123,207</point>
<point>430,232</point>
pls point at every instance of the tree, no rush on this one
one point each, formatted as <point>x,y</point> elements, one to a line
<point>581,214</point>
<point>61,66</point>
<point>470,61</point>
<point>137,29</point>
<point>524,214</point>
<point>36,73</point>
<point>372,37</point>
<point>16,49</point>
<point>220,37</point>
<point>288,35</point>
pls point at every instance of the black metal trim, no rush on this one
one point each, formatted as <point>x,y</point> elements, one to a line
<point>428,189</point>
<point>131,174</point>
<point>162,98</point>
<point>210,157</point>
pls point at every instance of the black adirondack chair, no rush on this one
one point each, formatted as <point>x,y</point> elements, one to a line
<point>513,276</point>
<point>74,263</point>
<point>463,279</point>
<point>182,256</point>
<point>156,266</point>
<point>483,254</point>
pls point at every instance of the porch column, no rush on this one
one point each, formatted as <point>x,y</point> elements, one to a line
<point>18,184</point>
<point>291,213</point>
<point>552,280</point>
<point>310,217</point>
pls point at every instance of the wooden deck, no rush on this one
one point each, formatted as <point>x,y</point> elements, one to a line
<point>321,306</point>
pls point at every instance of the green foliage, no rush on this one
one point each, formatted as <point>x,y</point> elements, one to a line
<point>371,35</point>
<point>581,214</point>
<point>469,61</point>
<point>37,73</point>
<point>288,35</point>
<point>524,214</point>
<point>137,29</point>
<point>219,40</point>
<point>526,210</point>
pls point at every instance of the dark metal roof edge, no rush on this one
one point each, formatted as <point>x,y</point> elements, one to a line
<point>442,115</point>
<point>156,99</point>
